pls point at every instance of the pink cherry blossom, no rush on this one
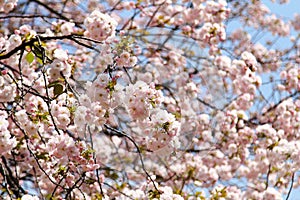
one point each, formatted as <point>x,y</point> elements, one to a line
<point>149,99</point>
<point>100,26</point>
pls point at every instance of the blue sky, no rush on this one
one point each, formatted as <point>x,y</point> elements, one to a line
<point>286,10</point>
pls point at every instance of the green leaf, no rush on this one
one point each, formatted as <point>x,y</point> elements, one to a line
<point>30,57</point>
<point>52,84</point>
<point>38,50</point>
<point>87,154</point>
<point>39,60</point>
<point>114,176</point>
<point>58,89</point>
<point>43,156</point>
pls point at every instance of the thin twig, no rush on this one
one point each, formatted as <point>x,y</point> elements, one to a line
<point>51,10</point>
<point>122,134</point>
<point>291,187</point>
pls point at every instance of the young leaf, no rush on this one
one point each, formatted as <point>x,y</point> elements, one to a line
<point>30,57</point>
<point>58,89</point>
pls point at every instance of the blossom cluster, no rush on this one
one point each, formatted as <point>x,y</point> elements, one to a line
<point>8,88</point>
<point>7,142</point>
<point>7,6</point>
<point>290,77</point>
<point>141,98</point>
<point>163,99</point>
<point>59,65</point>
<point>100,26</point>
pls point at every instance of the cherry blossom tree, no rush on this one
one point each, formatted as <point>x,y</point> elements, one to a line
<point>148,99</point>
